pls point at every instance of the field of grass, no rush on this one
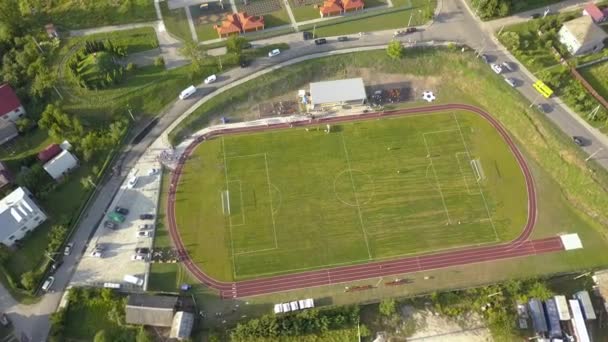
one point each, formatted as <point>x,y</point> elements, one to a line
<point>597,76</point>
<point>176,21</point>
<point>301,200</point>
<point>76,14</point>
<point>276,18</point>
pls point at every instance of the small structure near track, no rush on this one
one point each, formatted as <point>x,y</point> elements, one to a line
<point>295,305</point>
<point>337,93</point>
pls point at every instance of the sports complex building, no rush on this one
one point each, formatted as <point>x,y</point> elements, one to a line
<point>337,93</point>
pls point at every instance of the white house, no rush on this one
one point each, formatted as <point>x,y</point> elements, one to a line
<point>19,214</point>
<point>582,36</point>
<point>10,106</point>
<point>61,164</point>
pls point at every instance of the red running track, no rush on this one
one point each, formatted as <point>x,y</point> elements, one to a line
<point>519,247</point>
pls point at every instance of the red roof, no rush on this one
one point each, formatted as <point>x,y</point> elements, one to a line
<point>49,152</point>
<point>331,7</point>
<point>594,12</point>
<point>352,4</point>
<point>8,99</point>
<point>249,22</point>
<point>230,25</point>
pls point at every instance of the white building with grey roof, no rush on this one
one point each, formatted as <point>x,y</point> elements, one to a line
<point>582,35</point>
<point>337,93</point>
<point>19,214</point>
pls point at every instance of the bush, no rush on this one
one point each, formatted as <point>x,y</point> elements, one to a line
<point>29,280</point>
<point>130,67</point>
<point>159,61</point>
<point>395,49</point>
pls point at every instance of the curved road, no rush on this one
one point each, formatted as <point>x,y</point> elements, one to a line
<point>520,246</point>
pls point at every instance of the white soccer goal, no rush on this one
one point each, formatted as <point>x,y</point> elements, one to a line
<point>225,202</point>
<point>478,170</point>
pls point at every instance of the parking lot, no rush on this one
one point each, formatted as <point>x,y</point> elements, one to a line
<point>118,246</point>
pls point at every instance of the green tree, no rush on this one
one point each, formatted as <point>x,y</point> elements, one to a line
<point>143,336</point>
<point>101,336</point>
<point>159,61</point>
<point>236,44</point>
<point>60,125</point>
<point>194,53</point>
<point>395,49</point>
<point>511,40</point>
<point>387,307</point>
<point>28,280</point>
<point>23,124</point>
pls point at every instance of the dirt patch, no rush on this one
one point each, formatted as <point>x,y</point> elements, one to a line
<point>430,326</point>
<point>372,78</point>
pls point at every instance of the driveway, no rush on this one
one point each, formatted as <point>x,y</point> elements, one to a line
<point>454,22</point>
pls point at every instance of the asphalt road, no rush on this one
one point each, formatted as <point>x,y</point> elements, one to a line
<point>453,22</point>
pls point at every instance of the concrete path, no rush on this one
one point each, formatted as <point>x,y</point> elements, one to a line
<point>233,5</point>
<point>191,24</point>
<point>292,19</point>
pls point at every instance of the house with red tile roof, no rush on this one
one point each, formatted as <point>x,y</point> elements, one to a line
<point>595,13</point>
<point>239,23</point>
<point>337,7</point>
<point>10,106</point>
<point>330,7</point>
<point>49,152</point>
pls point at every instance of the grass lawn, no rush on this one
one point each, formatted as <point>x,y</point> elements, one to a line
<point>29,144</point>
<point>371,202</point>
<point>84,320</point>
<point>276,18</point>
<point>76,14</point>
<point>176,21</point>
<point>206,32</point>
<point>597,75</point>
<point>303,13</point>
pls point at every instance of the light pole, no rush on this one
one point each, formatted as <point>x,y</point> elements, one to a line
<point>534,102</point>
<point>130,112</point>
<point>594,153</point>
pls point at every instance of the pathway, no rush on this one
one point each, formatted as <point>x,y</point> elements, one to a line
<point>191,24</point>
<point>292,19</point>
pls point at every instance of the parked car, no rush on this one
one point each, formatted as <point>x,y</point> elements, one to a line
<point>343,39</point>
<point>4,320</point>
<point>578,140</point>
<point>306,35</point>
<point>138,257</point>
<point>68,248</point>
<point>116,217</point>
<point>542,107</point>
<point>48,283</point>
<point>153,171</point>
<point>484,57</point>
<point>55,266</point>
<point>399,33</point>
<point>320,41</point>
<point>244,63</point>
<point>510,81</point>
<point>144,233</point>
<point>97,251</point>
<point>146,226</point>
<point>142,250</point>
<point>146,217</point>
<point>132,182</point>
<point>496,68</point>
<point>507,66</point>
<point>110,225</point>
<point>535,16</point>
<point>410,30</point>
<point>274,52</point>
<point>121,210</point>
<point>210,79</point>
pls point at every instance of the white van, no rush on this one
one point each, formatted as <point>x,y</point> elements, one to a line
<point>210,79</point>
<point>48,283</point>
<point>133,280</point>
<point>187,92</point>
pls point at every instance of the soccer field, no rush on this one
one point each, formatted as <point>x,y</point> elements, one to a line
<point>296,199</point>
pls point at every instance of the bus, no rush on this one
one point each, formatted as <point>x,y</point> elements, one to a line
<point>543,89</point>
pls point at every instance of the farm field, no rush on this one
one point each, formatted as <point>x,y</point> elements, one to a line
<point>285,201</point>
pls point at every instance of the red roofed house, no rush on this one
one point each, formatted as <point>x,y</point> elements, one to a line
<point>230,26</point>
<point>330,7</point>
<point>49,153</point>
<point>10,106</point>
<point>239,23</point>
<point>336,7</point>
<point>595,13</point>
<point>250,23</point>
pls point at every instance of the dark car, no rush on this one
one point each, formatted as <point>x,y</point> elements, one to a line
<point>484,57</point>
<point>320,41</point>
<point>411,30</point>
<point>142,250</point>
<point>121,210</point>
<point>244,63</point>
<point>578,140</point>
<point>4,320</point>
<point>247,46</point>
<point>306,35</point>
<point>343,39</point>
<point>146,217</point>
<point>535,16</point>
<point>110,225</point>
<point>55,266</point>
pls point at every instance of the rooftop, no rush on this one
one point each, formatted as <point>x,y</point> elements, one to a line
<point>585,30</point>
<point>351,89</point>
<point>594,12</point>
<point>8,99</point>
<point>150,310</point>
<point>13,209</point>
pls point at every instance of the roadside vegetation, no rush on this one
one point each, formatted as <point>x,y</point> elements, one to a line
<point>597,76</point>
<point>492,9</point>
<point>542,53</point>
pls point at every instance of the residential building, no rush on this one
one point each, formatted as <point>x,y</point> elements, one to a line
<point>582,36</point>
<point>156,311</point>
<point>237,23</point>
<point>337,7</point>
<point>49,152</point>
<point>595,13</point>
<point>8,131</point>
<point>10,106</point>
<point>61,165</point>
<point>19,214</point>
<point>5,175</point>
<point>336,93</point>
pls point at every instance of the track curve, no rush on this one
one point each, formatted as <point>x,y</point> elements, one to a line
<point>520,246</point>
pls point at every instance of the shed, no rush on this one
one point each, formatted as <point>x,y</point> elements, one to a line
<point>156,311</point>
<point>562,308</point>
<point>61,164</point>
<point>538,316</point>
<point>182,325</point>
<point>555,330</point>
<point>586,305</point>
<point>594,12</point>
<point>49,152</point>
<point>580,329</point>
<point>338,92</point>
<point>8,132</point>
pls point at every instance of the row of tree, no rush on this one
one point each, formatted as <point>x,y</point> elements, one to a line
<point>302,323</point>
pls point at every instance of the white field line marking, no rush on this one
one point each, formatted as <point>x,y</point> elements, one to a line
<point>222,193</point>
<point>485,203</point>
<point>247,155</point>
<point>466,184</point>
<point>428,152</point>
<point>352,179</point>
<point>242,204</point>
<point>274,229</point>
<point>229,221</point>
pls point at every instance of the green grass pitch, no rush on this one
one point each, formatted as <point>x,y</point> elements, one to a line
<point>291,200</point>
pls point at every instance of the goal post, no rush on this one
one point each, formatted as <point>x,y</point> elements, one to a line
<point>477,169</point>
<point>225,197</point>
